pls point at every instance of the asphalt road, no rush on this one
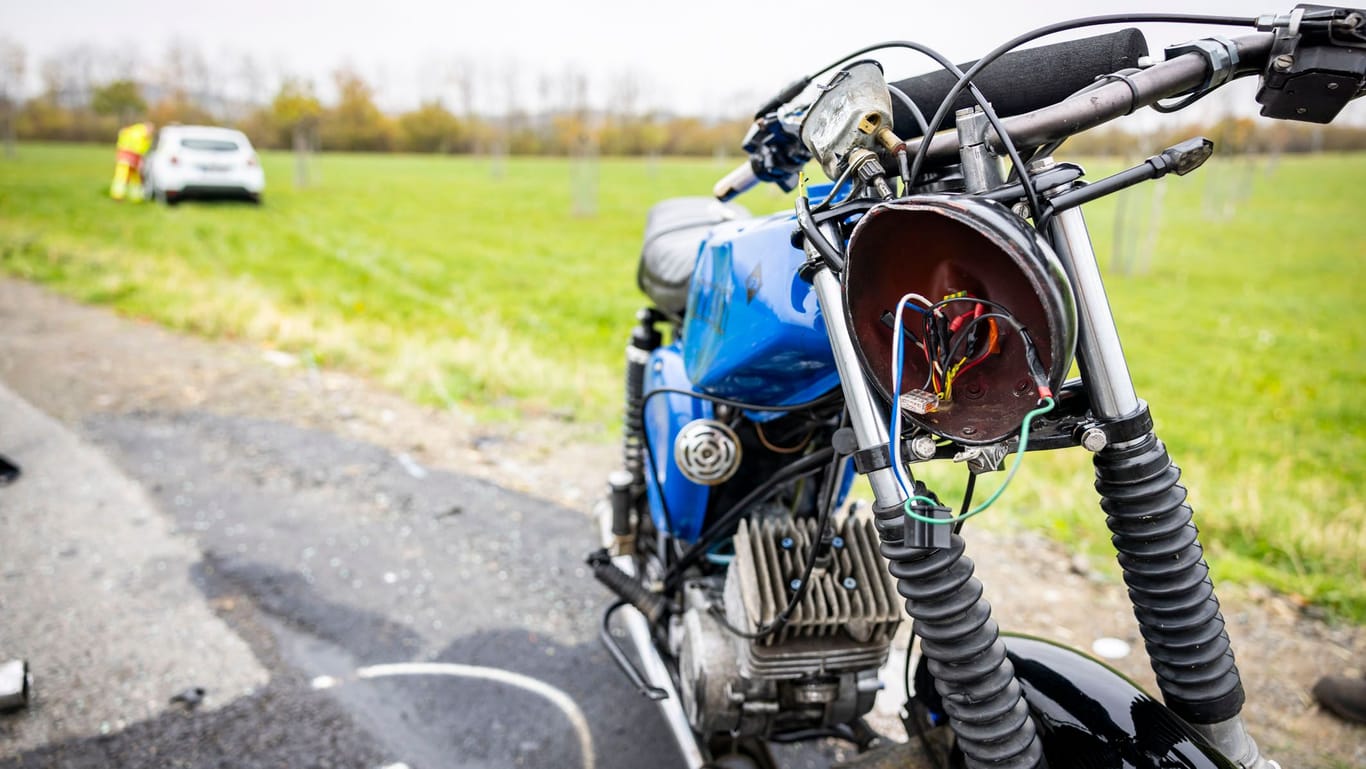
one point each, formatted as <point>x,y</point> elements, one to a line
<point>286,572</point>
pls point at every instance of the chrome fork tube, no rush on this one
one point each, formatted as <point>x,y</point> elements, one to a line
<point>1099,353</point>
<point>1105,371</point>
<point>865,413</point>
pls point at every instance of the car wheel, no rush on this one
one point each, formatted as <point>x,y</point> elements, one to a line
<point>254,198</point>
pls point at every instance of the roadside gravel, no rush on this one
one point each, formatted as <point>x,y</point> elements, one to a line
<point>79,364</point>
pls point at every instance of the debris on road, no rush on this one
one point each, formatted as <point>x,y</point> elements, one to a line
<point>9,472</point>
<point>190,697</point>
<point>15,684</point>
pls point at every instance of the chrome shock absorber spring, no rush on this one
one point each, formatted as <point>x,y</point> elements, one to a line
<point>963,649</point>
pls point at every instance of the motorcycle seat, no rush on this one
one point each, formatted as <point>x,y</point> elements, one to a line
<point>674,230</point>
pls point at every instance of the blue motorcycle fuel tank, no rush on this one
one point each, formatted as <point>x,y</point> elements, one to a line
<point>753,332</point>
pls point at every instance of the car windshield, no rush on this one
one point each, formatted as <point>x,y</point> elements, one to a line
<point>209,145</point>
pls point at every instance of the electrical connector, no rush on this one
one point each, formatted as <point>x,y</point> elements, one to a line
<point>922,534</point>
<point>920,402</point>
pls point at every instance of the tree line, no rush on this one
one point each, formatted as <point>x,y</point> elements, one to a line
<point>75,103</point>
<point>86,94</point>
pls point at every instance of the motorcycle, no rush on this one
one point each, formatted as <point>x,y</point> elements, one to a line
<point>924,305</point>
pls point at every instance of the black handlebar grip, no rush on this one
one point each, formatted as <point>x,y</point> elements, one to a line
<point>1023,81</point>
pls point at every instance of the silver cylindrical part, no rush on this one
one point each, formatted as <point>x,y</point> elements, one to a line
<point>655,672</point>
<point>981,167</point>
<point>865,413</point>
<point>1231,738</point>
<point>1099,353</point>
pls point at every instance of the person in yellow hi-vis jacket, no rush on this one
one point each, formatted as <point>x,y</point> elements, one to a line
<point>134,141</point>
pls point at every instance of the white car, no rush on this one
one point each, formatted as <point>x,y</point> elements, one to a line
<point>202,162</point>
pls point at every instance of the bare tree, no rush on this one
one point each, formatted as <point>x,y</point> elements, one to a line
<point>12,61</point>
<point>251,82</point>
<point>460,77</point>
<point>297,109</point>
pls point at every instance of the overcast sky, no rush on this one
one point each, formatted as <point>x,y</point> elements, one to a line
<point>711,57</point>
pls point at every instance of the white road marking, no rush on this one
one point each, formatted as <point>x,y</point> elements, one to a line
<point>556,696</point>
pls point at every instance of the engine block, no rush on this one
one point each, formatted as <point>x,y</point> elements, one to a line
<point>821,668</point>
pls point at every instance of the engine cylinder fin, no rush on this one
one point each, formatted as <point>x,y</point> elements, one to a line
<point>854,597</point>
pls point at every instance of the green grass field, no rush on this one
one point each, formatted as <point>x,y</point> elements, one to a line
<point>451,282</point>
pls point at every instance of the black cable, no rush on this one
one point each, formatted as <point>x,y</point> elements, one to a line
<point>829,488</point>
<point>1164,109</point>
<point>823,400</point>
<point>978,300</point>
<point>965,79</point>
<point>1035,205</point>
<point>941,762</point>
<point>967,501</point>
<point>911,107</point>
<point>807,465</point>
<point>829,198</point>
<point>815,238</point>
<point>962,334</point>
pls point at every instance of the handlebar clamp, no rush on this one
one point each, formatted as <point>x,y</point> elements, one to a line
<point>1317,64</point>
<point>1221,59</point>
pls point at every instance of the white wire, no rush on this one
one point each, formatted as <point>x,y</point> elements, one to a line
<point>898,335</point>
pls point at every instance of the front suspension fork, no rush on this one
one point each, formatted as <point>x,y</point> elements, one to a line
<point>1152,529</point>
<point>960,641</point>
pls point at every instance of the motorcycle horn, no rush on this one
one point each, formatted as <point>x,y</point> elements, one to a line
<point>973,249</point>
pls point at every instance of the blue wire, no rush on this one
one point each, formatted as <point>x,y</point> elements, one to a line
<point>898,355</point>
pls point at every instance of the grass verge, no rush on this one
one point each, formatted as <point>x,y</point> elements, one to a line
<point>461,280</point>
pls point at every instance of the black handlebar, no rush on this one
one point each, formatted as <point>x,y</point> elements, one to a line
<point>1026,80</point>
<point>1104,103</point>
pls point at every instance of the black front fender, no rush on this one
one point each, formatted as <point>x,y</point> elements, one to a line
<point>1091,717</point>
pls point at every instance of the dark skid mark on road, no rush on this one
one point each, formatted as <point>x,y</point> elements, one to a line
<point>287,597</point>
<point>280,726</point>
<point>350,559</point>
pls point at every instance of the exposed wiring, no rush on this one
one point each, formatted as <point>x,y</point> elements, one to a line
<point>759,430</point>
<point>967,499</point>
<point>897,356</point>
<point>828,492</point>
<point>909,175</point>
<point>823,400</point>
<point>834,191</point>
<point>807,465</point>
<point>1049,403</point>
<point>911,107</point>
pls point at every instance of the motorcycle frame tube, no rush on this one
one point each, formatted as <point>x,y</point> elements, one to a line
<point>656,672</point>
<point>865,413</point>
<point>1100,355</point>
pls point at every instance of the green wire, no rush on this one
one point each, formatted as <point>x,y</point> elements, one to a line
<point>1014,467</point>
